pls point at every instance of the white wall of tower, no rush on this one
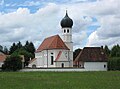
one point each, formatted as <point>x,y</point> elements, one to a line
<point>67,38</point>
<point>67,34</point>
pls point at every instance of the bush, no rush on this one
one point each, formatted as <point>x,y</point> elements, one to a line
<point>12,63</point>
<point>114,63</point>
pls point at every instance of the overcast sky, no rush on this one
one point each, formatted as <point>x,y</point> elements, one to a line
<point>96,22</point>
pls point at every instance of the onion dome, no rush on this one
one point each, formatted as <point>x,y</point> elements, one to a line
<point>66,21</point>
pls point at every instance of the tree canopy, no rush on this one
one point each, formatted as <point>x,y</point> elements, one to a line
<point>28,50</point>
<point>113,57</point>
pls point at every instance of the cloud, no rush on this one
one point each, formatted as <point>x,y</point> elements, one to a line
<point>30,3</point>
<point>108,17</point>
<point>78,39</point>
<point>22,25</point>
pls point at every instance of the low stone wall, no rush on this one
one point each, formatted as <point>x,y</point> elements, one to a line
<point>60,69</point>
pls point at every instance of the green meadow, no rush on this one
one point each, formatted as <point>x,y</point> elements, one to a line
<point>60,80</point>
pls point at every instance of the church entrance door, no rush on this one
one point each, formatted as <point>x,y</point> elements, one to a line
<point>62,65</point>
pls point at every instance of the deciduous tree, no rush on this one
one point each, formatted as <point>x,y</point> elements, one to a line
<point>12,63</point>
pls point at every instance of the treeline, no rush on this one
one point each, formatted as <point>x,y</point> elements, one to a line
<point>113,57</point>
<point>27,50</point>
<point>4,49</point>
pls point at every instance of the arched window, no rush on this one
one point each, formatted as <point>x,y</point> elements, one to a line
<point>104,66</point>
<point>52,60</point>
<point>64,31</point>
<point>67,30</point>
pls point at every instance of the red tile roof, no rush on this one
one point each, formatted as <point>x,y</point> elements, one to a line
<point>92,54</point>
<point>53,42</point>
<point>2,57</point>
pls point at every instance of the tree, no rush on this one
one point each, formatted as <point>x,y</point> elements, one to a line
<point>13,48</point>
<point>75,53</point>
<point>115,51</point>
<point>27,50</point>
<point>26,45</point>
<point>1,48</point>
<point>27,55</point>
<point>19,45</point>
<point>12,63</point>
<point>107,50</point>
<point>114,63</point>
<point>29,47</point>
<point>6,50</point>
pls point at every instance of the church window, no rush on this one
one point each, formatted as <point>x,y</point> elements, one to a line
<point>66,54</point>
<point>52,60</point>
<point>104,66</point>
<point>64,31</point>
<point>67,30</point>
<point>51,53</point>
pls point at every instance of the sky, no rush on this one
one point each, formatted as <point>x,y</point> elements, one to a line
<point>95,22</point>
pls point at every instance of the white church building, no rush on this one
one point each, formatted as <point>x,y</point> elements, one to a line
<point>54,51</point>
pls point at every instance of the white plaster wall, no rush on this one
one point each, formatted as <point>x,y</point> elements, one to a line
<point>59,64</point>
<point>1,64</point>
<point>64,55</point>
<point>67,37</point>
<point>71,58</point>
<point>99,66</point>
<point>55,54</point>
<point>44,58</point>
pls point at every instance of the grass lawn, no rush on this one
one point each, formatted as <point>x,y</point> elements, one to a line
<point>60,80</point>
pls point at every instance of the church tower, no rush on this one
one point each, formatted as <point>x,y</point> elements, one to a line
<point>66,24</point>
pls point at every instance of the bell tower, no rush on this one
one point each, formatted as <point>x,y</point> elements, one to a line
<point>66,24</point>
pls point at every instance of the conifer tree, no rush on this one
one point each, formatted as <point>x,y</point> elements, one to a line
<point>19,45</point>
<point>6,50</point>
<point>107,50</point>
<point>13,48</point>
<point>1,48</point>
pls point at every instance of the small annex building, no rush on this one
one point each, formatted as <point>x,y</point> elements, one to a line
<point>2,58</point>
<point>91,58</point>
<point>55,51</point>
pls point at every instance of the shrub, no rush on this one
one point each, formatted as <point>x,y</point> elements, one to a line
<point>114,63</point>
<point>12,63</point>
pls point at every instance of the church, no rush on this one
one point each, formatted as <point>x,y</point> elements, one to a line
<point>55,51</point>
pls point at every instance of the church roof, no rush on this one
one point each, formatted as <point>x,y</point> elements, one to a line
<point>92,54</point>
<point>53,42</point>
